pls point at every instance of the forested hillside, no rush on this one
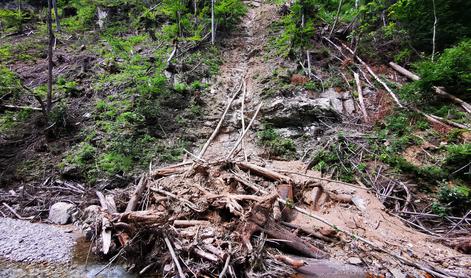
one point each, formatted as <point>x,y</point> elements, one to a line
<point>316,138</point>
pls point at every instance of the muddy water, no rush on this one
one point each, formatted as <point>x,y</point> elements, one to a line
<point>77,267</point>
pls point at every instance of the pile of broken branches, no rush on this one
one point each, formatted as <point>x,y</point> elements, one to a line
<point>232,217</point>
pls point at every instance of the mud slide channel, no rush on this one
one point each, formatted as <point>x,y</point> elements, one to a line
<point>394,246</point>
<point>243,64</point>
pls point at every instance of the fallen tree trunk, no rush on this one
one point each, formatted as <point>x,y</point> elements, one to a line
<point>404,72</point>
<point>360,97</point>
<point>431,118</point>
<point>466,106</point>
<point>264,171</point>
<point>19,107</point>
<point>137,194</point>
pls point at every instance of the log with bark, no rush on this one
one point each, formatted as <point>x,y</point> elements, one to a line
<point>466,106</point>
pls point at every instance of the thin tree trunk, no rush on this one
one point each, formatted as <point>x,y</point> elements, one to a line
<point>58,25</point>
<point>336,18</point>
<point>302,14</point>
<point>195,11</point>
<point>434,30</point>
<point>49,57</point>
<point>466,106</point>
<point>213,31</point>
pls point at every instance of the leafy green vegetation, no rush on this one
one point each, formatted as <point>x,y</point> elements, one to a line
<point>124,125</point>
<point>417,18</point>
<point>13,20</point>
<point>275,144</point>
<point>9,82</point>
<point>451,70</point>
<point>454,199</point>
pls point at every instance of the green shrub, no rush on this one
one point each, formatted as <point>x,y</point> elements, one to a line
<point>59,115</point>
<point>275,144</point>
<point>455,199</point>
<point>229,12</point>
<point>458,159</point>
<point>83,155</point>
<point>13,20</point>
<point>452,70</point>
<point>85,18</point>
<point>294,35</point>
<point>180,87</point>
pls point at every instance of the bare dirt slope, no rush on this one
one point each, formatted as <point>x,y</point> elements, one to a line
<point>243,67</point>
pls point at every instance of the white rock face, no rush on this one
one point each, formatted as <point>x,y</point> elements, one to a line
<point>62,213</point>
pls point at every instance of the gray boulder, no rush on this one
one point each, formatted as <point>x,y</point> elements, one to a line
<point>62,213</point>
<point>300,111</point>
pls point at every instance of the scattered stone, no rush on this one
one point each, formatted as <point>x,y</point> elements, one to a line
<point>349,106</point>
<point>329,268</point>
<point>354,260</point>
<point>62,213</point>
<point>90,217</point>
<point>70,171</point>
<point>359,202</point>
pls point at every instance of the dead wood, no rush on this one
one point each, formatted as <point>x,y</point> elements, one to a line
<point>107,203</point>
<point>244,133</point>
<point>260,220</point>
<point>174,257</point>
<point>218,127</point>
<point>206,255</point>
<point>360,97</point>
<point>431,118</point>
<point>295,263</point>
<point>106,235</point>
<point>404,71</point>
<point>171,170</point>
<point>242,116</point>
<point>462,244</point>
<point>12,210</point>
<point>143,217</point>
<point>271,174</point>
<point>19,107</point>
<point>190,223</point>
<point>133,201</point>
<point>308,231</point>
<point>342,198</point>
<point>466,106</point>
<point>393,95</point>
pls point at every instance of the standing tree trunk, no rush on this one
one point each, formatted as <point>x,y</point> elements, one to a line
<point>213,31</point>
<point>434,30</point>
<point>58,25</point>
<point>49,57</point>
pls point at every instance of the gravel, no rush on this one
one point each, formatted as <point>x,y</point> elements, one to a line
<point>22,241</point>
